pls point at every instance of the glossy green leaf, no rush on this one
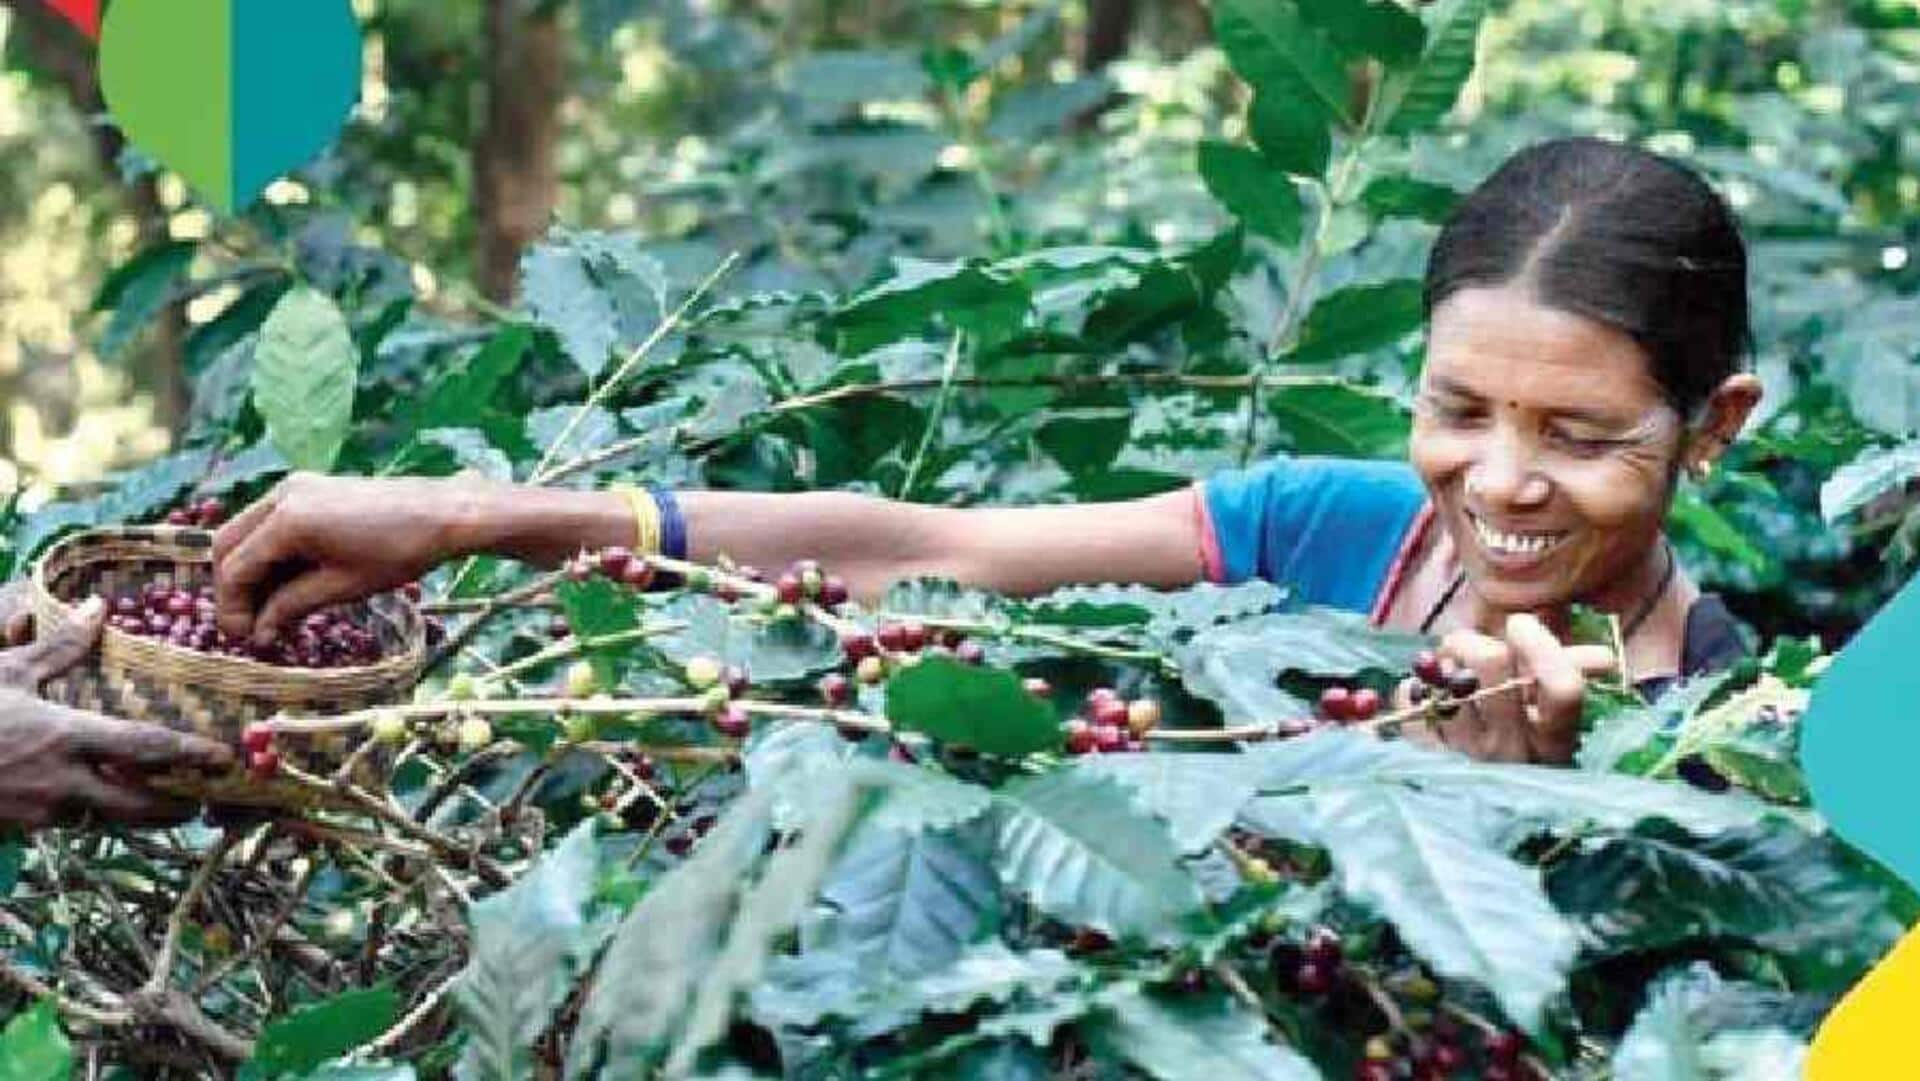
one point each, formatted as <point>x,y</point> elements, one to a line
<point>32,1048</point>
<point>1358,319</point>
<point>964,705</point>
<point>1260,194</point>
<point>1289,131</point>
<point>1270,45</point>
<point>310,1035</point>
<point>1417,98</point>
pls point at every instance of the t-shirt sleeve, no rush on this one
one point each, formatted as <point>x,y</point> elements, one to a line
<point>1329,528</point>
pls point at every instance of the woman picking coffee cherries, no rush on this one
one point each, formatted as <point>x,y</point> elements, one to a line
<point>1587,333</point>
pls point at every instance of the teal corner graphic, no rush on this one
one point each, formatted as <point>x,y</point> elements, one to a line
<point>1860,737</point>
<point>231,94</point>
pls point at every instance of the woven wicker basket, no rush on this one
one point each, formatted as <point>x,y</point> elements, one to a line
<point>147,679</point>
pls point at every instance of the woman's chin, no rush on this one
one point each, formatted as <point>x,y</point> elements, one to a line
<point>1509,594</point>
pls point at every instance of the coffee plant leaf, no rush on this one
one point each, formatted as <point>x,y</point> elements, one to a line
<point>1771,884</point>
<point>595,292</point>
<point>596,608</point>
<point>938,598</point>
<point>1211,1036</point>
<point>1525,797</point>
<point>467,390</point>
<point>905,905</point>
<point>1358,319</point>
<point>1380,29</point>
<point>1289,132</point>
<point>1873,474</point>
<point>400,1072</point>
<point>1005,1059</point>
<point>1416,98</point>
<point>595,429</point>
<point>32,1047</point>
<point>919,800</point>
<point>702,934</point>
<point>1261,195</point>
<point>1322,642</point>
<point>527,947</point>
<point>1340,420</point>
<point>1038,111</point>
<point>1079,848</point>
<point>139,290</point>
<point>786,651</point>
<point>312,1034</point>
<point>1407,197</point>
<point>828,85</point>
<point>803,990</point>
<point>964,705</point>
<point>468,450</point>
<point>1197,795</point>
<point>1428,863</point>
<point>1676,1036</point>
<point>1269,44</point>
<point>973,296</point>
<point>304,374</point>
<point>143,493</point>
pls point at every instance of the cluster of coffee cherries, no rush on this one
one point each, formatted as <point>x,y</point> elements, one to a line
<point>614,564</point>
<point>204,514</point>
<point>720,686</point>
<point>892,646</point>
<point>1441,680</point>
<point>802,583</point>
<point>1438,1051</point>
<point>1110,724</point>
<point>259,752</point>
<point>184,617</point>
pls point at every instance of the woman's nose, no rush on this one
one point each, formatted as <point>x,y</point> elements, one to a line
<point>1503,474</point>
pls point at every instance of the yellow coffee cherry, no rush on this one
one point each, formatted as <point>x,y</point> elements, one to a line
<point>389,726</point>
<point>703,672</point>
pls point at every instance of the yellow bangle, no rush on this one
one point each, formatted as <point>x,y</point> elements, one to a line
<point>646,519</point>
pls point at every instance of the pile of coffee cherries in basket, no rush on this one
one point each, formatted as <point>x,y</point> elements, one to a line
<point>183,617</point>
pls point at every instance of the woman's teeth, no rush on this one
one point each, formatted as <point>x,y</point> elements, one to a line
<point>1514,544</point>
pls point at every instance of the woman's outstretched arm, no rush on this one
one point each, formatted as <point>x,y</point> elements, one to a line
<point>315,541</point>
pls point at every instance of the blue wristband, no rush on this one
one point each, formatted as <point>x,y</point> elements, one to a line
<point>673,524</point>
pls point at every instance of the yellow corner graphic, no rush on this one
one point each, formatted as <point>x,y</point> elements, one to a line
<point>1871,1034</point>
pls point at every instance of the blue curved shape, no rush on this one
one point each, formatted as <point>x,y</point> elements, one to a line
<point>1860,738</point>
<point>296,78</point>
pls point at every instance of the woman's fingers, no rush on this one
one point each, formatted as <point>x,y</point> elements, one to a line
<point>313,590</point>
<point>1477,727</point>
<point>1560,687</point>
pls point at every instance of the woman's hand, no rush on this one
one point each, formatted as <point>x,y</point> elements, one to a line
<point>315,541</point>
<point>1537,722</point>
<point>58,763</point>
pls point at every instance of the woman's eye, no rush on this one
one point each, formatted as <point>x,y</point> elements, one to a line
<point>1583,444</point>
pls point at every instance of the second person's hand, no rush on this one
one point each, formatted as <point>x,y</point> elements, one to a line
<point>317,540</point>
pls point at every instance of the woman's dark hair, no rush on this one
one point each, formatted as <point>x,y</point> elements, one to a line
<point>1616,234</point>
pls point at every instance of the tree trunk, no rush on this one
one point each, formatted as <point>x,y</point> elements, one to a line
<point>516,179</point>
<point>1110,26</point>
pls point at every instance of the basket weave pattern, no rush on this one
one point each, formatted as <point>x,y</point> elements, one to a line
<point>212,695</point>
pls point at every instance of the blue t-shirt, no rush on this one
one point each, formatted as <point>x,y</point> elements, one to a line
<point>1329,528</point>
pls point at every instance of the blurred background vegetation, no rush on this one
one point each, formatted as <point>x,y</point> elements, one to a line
<point>823,138</point>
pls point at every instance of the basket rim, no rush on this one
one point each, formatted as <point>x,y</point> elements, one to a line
<point>236,675</point>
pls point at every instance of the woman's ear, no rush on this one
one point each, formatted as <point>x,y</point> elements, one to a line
<point>1724,414</point>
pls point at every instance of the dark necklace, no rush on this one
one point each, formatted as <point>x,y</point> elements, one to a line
<point>1639,616</point>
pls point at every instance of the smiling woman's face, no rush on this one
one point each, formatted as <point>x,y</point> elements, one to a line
<point>1546,445</point>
